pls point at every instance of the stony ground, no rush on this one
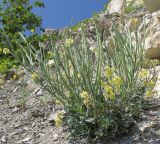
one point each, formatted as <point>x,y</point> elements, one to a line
<point>24,119</point>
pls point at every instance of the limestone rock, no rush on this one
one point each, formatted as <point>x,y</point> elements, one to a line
<point>152,43</point>
<point>115,6</point>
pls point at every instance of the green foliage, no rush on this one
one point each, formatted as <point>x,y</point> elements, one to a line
<point>17,16</point>
<point>80,24</point>
<point>132,5</point>
<point>102,92</point>
<point>5,64</point>
<point>23,98</point>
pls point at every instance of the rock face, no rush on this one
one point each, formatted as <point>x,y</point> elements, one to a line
<point>115,6</point>
<point>152,5</point>
<point>152,44</point>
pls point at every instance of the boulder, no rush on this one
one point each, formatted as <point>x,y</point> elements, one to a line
<point>152,43</point>
<point>115,6</point>
<point>119,6</point>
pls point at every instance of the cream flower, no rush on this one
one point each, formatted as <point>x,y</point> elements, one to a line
<point>69,42</point>
<point>34,76</point>
<point>86,99</point>
<point>109,71</point>
<point>58,118</point>
<point>6,51</point>
<point>116,82</point>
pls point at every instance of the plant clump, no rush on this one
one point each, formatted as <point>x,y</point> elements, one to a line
<point>102,94</point>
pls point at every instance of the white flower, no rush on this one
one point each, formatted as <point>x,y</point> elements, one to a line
<point>50,63</point>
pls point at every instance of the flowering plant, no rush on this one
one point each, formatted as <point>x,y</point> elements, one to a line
<point>101,93</point>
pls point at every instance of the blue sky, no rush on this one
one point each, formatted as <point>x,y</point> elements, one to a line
<point>60,13</point>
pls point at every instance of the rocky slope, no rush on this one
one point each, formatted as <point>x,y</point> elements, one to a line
<point>29,120</point>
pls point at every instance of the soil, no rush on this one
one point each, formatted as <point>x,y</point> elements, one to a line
<point>25,121</point>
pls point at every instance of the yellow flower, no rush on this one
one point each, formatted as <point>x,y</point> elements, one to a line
<point>6,51</point>
<point>14,66</point>
<point>20,72</point>
<point>143,73</point>
<point>14,76</point>
<point>109,71</point>
<point>86,98</point>
<point>134,22</point>
<point>148,93</point>
<point>32,30</point>
<point>58,118</point>
<point>34,76</point>
<point>58,102</point>
<point>109,92</point>
<point>69,42</point>
<point>50,54</point>
<point>151,84</point>
<point>117,82</point>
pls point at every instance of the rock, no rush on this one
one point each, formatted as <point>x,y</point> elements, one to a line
<point>152,5</point>
<point>52,117</point>
<point>152,43</point>
<point>115,6</point>
<point>38,92</point>
<point>24,140</point>
<point>50,63</point>
<point>146,126</point>
<point>3,139</point>
<point>49,32</point>
<point>121,7</point>
<point>92,28</point>
<point>55,136</point>
<point>15,109</point>
<point>37,113</point>
<point>134,23</point>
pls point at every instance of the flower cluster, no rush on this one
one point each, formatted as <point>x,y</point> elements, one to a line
<point>143,73</point>
<point>86,98</point>
<point>58,118</point>
<point>108,90</point>
<point>32,30</point>
<point>34,76</point>
<point>69,42</point>
<point>5,51</point>
<point>116,81</point>
<point>109,71</point>
<point>134,22</point>
<point>112,84</point>
<point>146,77</point>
